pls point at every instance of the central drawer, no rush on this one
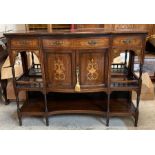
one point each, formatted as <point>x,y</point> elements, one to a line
<point>77,43</point>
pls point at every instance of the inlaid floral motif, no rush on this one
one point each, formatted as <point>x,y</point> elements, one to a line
<point>92,69</point>
<point>59,69</point>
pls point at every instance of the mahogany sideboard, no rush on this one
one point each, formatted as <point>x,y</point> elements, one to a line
<point>76,74</point>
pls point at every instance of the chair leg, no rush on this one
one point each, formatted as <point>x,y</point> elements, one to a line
<point>4,92</point>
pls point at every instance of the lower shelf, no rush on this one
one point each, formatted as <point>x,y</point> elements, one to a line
<point>89,103</point>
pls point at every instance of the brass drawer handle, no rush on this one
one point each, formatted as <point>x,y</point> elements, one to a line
<point>57,43</point>
<point>77,86</point>
<point>126,41</point>
<point>92,42</point>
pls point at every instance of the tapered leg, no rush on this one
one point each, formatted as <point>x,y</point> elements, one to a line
<point>47,121</point>
<point>46,110</point>
<point>19,117</point>
<point>136,118</point>
<point>137,109</point>
<point>108,110</point>
<point>138,95</point>
<point>4,92</point>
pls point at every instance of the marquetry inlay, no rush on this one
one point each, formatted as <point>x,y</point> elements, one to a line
<point>92,69</point>
<point>59,69</point>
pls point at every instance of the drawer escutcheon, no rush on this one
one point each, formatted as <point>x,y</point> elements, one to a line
<point>92,42</point>
<point>126,41</point>
<point>57,43</point>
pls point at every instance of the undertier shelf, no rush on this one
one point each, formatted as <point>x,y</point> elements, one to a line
<point>121,79</point>
<point>35,72</point>
<point>124,82</point>
<point>26,82</point>
<point>89,103</point>
<point>31,80</point>
<point>119,69</point>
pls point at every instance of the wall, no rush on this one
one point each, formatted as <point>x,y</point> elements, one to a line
<point>10,27</point>
<point>149,27</point>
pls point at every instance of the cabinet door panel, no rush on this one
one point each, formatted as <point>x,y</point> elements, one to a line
<point>60,67</point>
<point>92,67</point>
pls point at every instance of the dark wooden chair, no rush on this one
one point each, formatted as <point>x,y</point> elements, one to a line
<point>3,56</point>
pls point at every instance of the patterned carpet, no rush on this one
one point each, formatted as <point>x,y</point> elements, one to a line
<point>9,121</point>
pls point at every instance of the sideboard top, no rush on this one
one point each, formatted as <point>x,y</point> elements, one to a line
<point>77,31</point>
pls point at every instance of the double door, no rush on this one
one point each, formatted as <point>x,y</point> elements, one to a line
<point>65,67</point>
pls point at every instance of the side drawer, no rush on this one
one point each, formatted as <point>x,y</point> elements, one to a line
<point>127,41</point>
<point>24,43</point>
